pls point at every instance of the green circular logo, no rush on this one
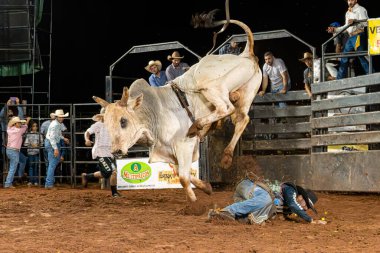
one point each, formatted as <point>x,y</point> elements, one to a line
<point>136,172</point>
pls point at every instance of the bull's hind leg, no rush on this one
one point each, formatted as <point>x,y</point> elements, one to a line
<point>240,117</point>
<point>223,108</point>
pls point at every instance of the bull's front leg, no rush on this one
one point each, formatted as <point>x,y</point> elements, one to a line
<point>194,129</point>
<point>184,153</point>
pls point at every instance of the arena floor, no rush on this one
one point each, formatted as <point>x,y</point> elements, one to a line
<point>89,220</point>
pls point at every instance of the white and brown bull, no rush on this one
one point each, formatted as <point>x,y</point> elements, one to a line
<point>155,117</point>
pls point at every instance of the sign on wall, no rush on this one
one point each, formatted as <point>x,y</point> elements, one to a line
<point>374,36</point>
<point>137,173</point>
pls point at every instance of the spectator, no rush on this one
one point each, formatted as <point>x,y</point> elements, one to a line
<point>308,72</point>
<point>6,113</point>
<point>102,152</point>
<point>357,36</point>
<point>33,141</point>
<point>158,77</point>
<point>231,48</point>
<point>332,65</point>
<point>53,145</point>
<point>177,67</point>
<point>275,71</point>
<point>16,128</point>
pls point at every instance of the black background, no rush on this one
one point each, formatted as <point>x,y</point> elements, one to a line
<point>88,36</point>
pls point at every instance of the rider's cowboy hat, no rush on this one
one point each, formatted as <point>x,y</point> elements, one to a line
<point>99,117</point>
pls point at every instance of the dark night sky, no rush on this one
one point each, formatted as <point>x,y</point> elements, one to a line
<point>88,36</point>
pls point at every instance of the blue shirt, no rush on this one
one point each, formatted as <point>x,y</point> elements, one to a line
<point>156,81</point>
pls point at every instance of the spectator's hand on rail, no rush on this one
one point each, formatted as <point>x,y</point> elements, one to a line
<point>283,91</point>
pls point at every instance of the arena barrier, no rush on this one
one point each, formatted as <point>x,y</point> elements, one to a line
<point>330,143</point>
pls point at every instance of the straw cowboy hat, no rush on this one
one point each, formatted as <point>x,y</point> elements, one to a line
<point>59,113</point>
<point>175,55</point>
<point>306,56</point>
<point>15,120</point>
<point>99,117</point>
<point>156,62</point>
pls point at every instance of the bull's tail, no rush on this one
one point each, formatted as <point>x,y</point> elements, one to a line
<point>206,20</point>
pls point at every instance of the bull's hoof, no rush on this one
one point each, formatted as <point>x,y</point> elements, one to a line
<point>208,189</point>
<point>226,162</point>
<point>193,130</point>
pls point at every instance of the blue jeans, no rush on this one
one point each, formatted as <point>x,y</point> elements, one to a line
<point>53,162</point>
<point>15,157</point>
<point>350,47</point>
<point>259,200</point>
<point>277,89</point>
<point>21,164</point>
<point>33,167</point>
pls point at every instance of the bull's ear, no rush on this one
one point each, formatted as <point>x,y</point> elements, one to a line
<point>124,98</point>
<point>100,101</point>
<point>137,101</point>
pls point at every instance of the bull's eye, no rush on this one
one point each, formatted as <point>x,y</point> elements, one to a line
<point>123,122</point>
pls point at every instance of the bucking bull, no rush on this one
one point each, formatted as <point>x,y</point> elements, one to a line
<point>216,87</point>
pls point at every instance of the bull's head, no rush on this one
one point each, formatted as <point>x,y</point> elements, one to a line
<point>123,123</point>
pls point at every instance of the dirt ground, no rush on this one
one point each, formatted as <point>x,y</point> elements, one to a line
<point>90,220</point>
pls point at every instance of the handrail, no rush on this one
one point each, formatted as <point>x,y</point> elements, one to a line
<point>143,49</point>
<point>324,46</point>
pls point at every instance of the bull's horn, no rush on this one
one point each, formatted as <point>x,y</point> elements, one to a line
<point>100,101</point>
<point>124,99</point>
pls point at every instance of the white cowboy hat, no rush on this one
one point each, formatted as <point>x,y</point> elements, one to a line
<point>59,113</point>
<point>15,120</point>
<point>99,117</point>
<point>175,55</point>
<point>156,62</point>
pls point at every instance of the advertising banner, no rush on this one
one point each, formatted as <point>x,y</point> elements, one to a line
<point>137,173</point>
<point>374,36</point>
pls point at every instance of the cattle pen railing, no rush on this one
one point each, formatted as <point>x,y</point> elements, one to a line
<point>329,143</point>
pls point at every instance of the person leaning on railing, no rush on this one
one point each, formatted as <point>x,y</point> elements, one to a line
<point>357,36</point>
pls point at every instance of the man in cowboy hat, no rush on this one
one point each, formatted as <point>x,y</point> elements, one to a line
<point>177,67</point>
<point>158,77</point>
<point>308,72</point>
<point>16,128</point>
<point>102,152</point>
<point>43,130</point>
<point>357,36</point>
<point>53,145</point>
<point>6,113</point>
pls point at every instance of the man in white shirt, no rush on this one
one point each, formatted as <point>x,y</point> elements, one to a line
<point>275,71</point>
<point>357,36</point>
